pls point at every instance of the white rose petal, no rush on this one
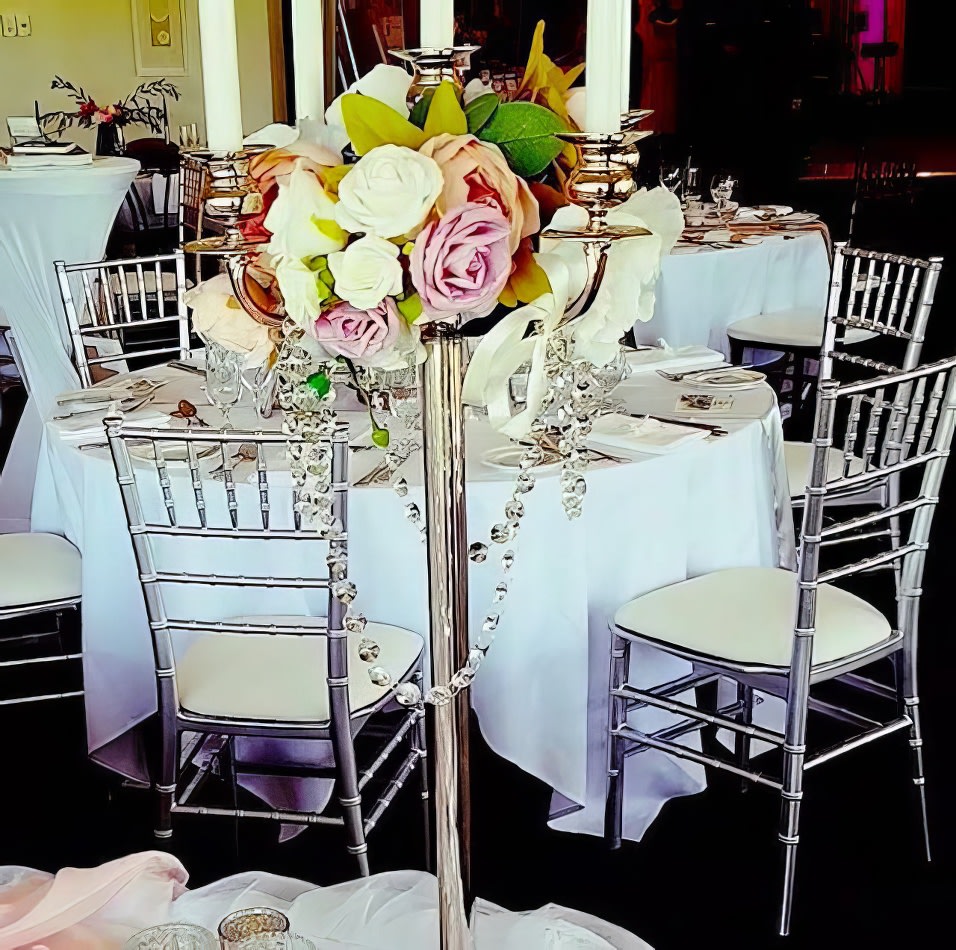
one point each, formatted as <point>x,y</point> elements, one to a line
<point>388,84</point>
<point>294,214</point>
<point>389,192</point>
<point>299,290</point>
<point>366,272</point>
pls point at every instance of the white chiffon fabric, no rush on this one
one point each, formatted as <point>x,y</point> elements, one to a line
<point>699,295</point>
<point>541,694</point>
<point>100,908</point>
<point>48,215</point>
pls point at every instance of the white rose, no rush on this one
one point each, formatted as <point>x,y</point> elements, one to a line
<point>302,218</point>
<point>300,290</point>
<point>366,272</point>
<point>389,192</point>
<point>388,84</point>
<point>217,316</point>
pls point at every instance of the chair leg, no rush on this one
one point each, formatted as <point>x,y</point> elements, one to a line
<point>789,834</point>
<point>166,784</point>
<point>909,702</point>
<point>617,717</point>
<point>745,696</point>
<point>419,741</point>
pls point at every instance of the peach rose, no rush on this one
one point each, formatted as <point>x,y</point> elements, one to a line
<point>478,173</point>
<point>277,163</point>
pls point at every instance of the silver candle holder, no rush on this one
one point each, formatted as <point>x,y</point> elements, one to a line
<point>431,67</point>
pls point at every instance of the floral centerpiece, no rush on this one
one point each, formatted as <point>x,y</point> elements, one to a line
<point>145,105</point>
<point>437,218</point>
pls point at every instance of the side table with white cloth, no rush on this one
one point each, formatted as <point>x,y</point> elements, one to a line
<point>649,519</point>
<point>48,214</point>
<point>703,289</point>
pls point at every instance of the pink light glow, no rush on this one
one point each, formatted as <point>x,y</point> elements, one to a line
<point>876,11</point>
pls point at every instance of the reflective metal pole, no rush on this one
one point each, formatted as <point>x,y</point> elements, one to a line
<point>444,453</point>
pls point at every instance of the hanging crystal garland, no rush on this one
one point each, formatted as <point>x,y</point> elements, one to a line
<point>577,392</point>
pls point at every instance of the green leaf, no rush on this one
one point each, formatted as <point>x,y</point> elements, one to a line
<point>410,308</point>
<point>445,115</point>
<point>480,110</point>
<point>525,132</point>
<point>380,436</point>
<point>420,109</point>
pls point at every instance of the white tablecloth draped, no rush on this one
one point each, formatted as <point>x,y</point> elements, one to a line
<point>700,294</point>
<point>48,215</point>
<point>540,696</point>
<point>100,907</point>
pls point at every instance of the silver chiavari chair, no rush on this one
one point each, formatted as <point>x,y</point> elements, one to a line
<point>130,307</point>
<point>218,566</point>
<point>888,296</point>
<point>786,633</point>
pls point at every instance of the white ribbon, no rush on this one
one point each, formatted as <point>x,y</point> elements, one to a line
<point>506,347</point>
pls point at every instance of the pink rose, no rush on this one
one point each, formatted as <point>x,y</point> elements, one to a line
<point>462,261</point>
<point>478,173</point>
<point>358,334</point>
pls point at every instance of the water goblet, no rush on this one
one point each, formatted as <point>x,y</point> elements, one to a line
<point>691,186</point>
<point>671,176</point>
<point>223,378</point>
<point>722,187</point>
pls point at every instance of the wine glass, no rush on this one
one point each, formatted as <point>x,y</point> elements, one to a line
<point>671,176</point>
<point>223,378</point>
<point>691,183</point>
<point>722,187</point>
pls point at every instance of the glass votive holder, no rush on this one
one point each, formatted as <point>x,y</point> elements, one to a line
<point>173,937</point>
<point>255,928</point>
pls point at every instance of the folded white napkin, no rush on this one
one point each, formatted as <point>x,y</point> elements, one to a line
<point>669,358</point>
<point>90,424</point>
<point>643,435</point>
<point>762,213</point>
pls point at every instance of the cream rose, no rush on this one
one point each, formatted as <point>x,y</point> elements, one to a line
<point>216,315</point>
<point>300,290</point>
<point>389,192</point>
<point>366,272</point>
<point>302,218</point>
<point>477,173</point>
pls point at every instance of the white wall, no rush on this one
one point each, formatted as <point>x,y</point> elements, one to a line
<point>90,43</point>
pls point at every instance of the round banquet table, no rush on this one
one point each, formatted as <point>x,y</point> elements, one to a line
<point>541,694</point>
<point>702,290</point>
<point>47,215</point>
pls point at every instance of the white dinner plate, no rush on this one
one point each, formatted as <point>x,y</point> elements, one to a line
<point>770,213</point>
<point>172,451</point>
<point>799,217</point>
<point>728,377</point>
<point>508,458</point>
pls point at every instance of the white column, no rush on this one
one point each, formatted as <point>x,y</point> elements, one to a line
<point>220,75</point>
<point>437,30</point>
<point>308,59</point>
<point>604,67</point>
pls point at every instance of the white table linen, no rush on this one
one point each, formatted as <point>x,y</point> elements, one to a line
<point>700,294</point>
<point>48,215</point>
<point>541,694</point>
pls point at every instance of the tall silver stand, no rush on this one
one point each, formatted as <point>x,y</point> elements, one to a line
<point>444,454</point>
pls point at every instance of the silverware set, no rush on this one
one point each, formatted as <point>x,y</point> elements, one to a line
<point>691,373</point>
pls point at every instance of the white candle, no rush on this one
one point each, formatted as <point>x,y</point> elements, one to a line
<point>627,33</point>
<point>308,61</point>
<point>220,75</point>
<point>437,24</point>
<point>603,57</point>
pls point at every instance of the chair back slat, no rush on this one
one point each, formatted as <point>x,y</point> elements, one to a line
<point>134,307</point>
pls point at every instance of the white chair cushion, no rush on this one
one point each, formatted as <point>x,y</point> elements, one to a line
<point>37,569</point>
<point>798,328</point>
<point>282,678</point>
<point>746,614</point>
<point>799,455</point>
